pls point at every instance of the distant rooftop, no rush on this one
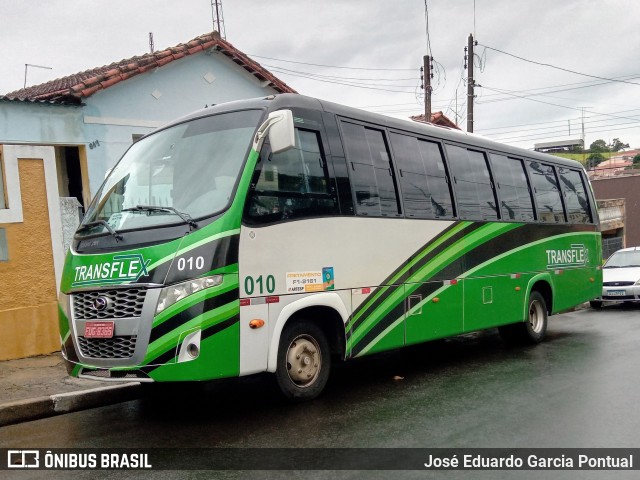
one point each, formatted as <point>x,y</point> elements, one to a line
<point>558,145</point>
<point>437,118</point>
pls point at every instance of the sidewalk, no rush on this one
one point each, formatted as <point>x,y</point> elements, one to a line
<point>38,387</point>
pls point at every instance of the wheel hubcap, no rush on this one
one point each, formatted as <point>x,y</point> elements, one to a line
<point>536,316</point>
<point>304,360</point>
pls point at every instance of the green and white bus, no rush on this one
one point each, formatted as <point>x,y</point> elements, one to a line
<point>285,233</point>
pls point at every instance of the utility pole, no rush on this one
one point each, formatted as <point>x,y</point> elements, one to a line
<point>470,84</point>
<point>583,145</point>
<point>151,46</point>
<point>427,88</point>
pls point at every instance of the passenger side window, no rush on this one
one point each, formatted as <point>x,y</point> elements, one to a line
<point>575,196</point>
<point>472,184</point>
<point>370,171</point>
<point>292,184</point>
<point>547,193</point>
<point>423,177</point>
<point>513,188</point>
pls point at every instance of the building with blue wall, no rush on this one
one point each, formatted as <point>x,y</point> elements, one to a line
<point>60,138</point>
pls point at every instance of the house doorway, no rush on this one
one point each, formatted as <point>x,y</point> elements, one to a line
<point>73,180</point>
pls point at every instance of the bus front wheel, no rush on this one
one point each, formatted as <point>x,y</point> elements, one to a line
<point>534,328</point>
<point>304,361</point>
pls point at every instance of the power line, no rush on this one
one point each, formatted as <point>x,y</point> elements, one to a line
<point>551,122</point>
<point>334,66</point>
<point>543,94</point>
<point>560,131</point>
<point>552,104</point>
<point>592,130</point>
<point>558,68</point>
<point>340,77</point>
<point>349,84</point>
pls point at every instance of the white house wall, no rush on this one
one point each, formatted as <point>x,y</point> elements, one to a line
<point>147,101</point>
<point>40,124</point>
<point>109,118</point>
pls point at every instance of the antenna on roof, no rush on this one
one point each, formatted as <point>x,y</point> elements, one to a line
<point>218,18</point>
<point>27,65</point>
<point>151,41</point>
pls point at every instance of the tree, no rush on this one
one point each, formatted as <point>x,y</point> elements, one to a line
<point>594,159</point>
<point>636,161</point>
<point>599,146</point>
<point>617,145</point>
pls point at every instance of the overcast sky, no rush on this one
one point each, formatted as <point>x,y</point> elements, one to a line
<point>520,103</point>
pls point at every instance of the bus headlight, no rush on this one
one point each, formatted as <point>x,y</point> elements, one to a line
<point>174,293</point>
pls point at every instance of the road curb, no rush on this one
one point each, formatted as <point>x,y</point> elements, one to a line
<point>60,403</point>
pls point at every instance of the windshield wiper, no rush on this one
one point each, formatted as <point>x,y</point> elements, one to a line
<point>157,208</point>
<point>115,234</point>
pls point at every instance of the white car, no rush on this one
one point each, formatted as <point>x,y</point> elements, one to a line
<point>620,278</point>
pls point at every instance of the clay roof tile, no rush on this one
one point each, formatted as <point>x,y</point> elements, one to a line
<point>84,84</point>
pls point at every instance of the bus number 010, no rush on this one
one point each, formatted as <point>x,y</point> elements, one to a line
<point>259,285</point>
<point>184,263</point>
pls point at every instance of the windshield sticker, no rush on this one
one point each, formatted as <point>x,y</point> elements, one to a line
<point>575,256</point>
<point>122,269</point>
<point>314,281</point>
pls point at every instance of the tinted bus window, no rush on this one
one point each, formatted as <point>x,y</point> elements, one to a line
<point>292,184</point>
<point>575,196</point>
<point>472,184</point>
<point>371,173</point>
<point>423,178</point>
<point>513,188</point>
<point>547,193</point>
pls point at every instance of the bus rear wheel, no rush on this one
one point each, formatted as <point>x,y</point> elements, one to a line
<point>534,328</point>
<point>304,362</point>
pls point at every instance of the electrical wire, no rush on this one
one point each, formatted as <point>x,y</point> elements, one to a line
<point>333,66</point>
<point>349,84</point>
<point>340,78</point>
<point>552,104</point>
<point>587,120</point>
<point>559,133</point>
<point>558,68</point>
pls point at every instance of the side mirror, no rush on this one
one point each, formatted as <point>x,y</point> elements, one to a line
<point>279,127</point>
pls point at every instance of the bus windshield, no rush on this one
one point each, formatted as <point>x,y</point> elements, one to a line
<point>185,172</point>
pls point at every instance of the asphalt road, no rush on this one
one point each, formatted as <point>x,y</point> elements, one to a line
<point>579,388</point>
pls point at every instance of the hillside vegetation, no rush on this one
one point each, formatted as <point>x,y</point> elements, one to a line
<point>581,157</point>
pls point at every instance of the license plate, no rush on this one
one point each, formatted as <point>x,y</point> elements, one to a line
<point>98,330</point>
<point>616,293</point>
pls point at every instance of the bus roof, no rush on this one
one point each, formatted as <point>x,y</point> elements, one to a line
<point>292,100</point>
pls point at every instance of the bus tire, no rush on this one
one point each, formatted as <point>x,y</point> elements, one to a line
<point>596,304</point>
<point>534,328</point>
<point>304,362</point>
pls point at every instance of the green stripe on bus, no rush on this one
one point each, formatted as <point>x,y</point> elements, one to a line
<point>414,259</point>
<point>441,261</point>
<point>207,319</point>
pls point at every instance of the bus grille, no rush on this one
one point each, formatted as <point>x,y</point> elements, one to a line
<point>121,304</point>
<point>116,347</point>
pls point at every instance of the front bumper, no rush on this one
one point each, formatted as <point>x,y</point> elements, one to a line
<point>626,293</point>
